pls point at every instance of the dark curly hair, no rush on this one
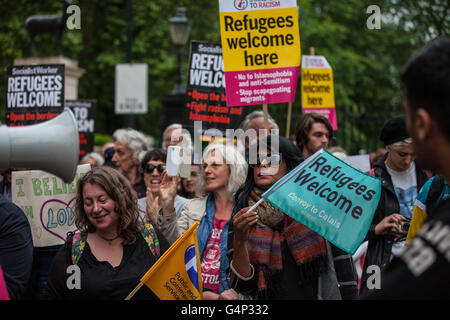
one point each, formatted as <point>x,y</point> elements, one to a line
<point>119,189</point>
<point>305,124</point>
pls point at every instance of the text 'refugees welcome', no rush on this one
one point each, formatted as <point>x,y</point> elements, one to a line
<point>259,36</point>
<point>330,188</point>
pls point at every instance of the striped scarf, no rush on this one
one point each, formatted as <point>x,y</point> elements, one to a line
<point>264,244</point>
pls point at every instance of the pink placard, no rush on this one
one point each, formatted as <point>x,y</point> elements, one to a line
<point>329,113</point>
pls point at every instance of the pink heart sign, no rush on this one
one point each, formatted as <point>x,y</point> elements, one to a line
<point>58,218</point>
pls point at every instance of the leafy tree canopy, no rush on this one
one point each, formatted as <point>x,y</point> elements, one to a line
<point>366,63</point>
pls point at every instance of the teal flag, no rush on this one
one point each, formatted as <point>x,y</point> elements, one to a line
<point>330,197</point>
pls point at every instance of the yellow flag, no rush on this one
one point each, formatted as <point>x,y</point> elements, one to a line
<point>418,219</point>
<point>177,275</point>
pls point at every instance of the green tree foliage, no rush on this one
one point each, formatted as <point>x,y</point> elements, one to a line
<point>366,63</point>
<point>427,19</point>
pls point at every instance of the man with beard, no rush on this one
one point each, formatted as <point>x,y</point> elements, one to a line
<point>313,132</point>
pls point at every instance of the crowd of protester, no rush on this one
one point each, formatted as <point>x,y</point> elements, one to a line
<point>129,211</point>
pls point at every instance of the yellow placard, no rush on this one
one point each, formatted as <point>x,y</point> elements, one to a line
<point>177,274</point>
<point>260,39</point>
<point>317,88</point>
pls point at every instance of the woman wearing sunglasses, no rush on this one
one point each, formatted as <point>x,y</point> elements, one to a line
<point>274,256</point>
<point>153,165</point>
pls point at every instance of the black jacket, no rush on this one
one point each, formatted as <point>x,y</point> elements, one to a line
<point>343,267</point>
<point>16,248</point>
<point>380,247</point>
<point>3,186</point>
<point>422,271</point>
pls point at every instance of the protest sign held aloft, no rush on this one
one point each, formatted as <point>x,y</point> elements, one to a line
<point>330,197</point>
<point>34,93</point>
<point>205,94</point>
<point>48,204</point>
<point>317,88</point>
<point>84,112</point>
<point>261,50</point>
<point>131,88</point>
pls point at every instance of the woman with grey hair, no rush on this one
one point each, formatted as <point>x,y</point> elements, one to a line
<point>176,135</point>
<point>224,171</point>
<point>129,147</point>
<point>247,122</point>
<point>93,158</point>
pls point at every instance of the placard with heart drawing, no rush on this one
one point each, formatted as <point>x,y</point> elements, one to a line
<point>48,203</point>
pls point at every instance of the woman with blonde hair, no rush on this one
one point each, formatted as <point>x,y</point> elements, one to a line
<point>224,170</point>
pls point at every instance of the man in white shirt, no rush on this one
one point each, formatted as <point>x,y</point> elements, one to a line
<point>401,179</point>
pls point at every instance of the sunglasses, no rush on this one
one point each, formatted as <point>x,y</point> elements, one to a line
<point>148,168</point>
<point>273,159</point>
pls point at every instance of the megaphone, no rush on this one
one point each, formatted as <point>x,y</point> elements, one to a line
<point>51,146</point>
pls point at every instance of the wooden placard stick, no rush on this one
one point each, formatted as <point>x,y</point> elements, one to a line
<point>288,120</point>
<point>132,293</point>
<point>266,117</point>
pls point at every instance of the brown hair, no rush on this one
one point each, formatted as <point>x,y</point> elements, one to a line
<point>119,189</point>
<point>305,124</point>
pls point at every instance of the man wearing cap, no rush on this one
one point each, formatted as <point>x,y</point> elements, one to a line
<point>401,178</point>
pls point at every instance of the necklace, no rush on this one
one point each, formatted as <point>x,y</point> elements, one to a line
<point>109,240</point>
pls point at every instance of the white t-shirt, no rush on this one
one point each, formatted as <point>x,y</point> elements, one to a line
<point>405,185</point>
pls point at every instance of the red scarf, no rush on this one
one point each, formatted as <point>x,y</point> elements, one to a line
<point>264,244</point>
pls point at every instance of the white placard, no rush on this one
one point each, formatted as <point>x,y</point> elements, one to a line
<point>360,162</point>
<point>131,88</point>
<point>247,5</point>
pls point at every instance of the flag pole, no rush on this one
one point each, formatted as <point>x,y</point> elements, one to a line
<point>284,179</point>
<point>288,120</point>
<point>266,125</point>
<point>253,207</point>
<point>161,259</point>
<point>132,293</point>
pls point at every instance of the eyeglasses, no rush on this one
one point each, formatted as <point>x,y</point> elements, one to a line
<point>273,159</point>
<point>148,168</point>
